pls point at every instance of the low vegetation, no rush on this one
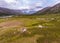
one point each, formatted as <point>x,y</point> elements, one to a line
<point>39,29</point>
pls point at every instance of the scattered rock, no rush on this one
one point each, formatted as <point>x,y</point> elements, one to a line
<point>14,32</point>
<point>52,18</point>
<point>23,30</point>
<point>40,26</point>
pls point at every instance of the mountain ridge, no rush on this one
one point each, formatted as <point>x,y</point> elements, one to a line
<point>47,10</point>
<point>53,9</point>
<point>6,11</point>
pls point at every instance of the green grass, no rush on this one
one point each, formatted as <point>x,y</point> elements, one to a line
<point>50,33</point>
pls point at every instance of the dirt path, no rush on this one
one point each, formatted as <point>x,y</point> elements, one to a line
<point>10,24</point>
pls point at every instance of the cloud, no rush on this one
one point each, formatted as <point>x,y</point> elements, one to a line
<point>10,1</point>
<point>27,4</point>
<point>23,4</point>
<point>57,1</point>
<point>47,3</point>
<point>24,7</point>
<point>3,3</point>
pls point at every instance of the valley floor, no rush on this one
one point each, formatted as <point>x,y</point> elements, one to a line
<point>30,29</point>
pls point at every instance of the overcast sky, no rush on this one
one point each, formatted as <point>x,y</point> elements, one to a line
<point>27,4</point>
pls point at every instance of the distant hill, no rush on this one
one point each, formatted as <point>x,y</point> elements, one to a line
<point>47,10</point>
<point>5,11</point>
<point>54,9</point>
<point>31,10</point>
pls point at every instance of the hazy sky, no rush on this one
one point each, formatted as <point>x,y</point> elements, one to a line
<point>27,4</point>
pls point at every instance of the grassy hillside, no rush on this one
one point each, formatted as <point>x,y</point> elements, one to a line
<point>39,29</point>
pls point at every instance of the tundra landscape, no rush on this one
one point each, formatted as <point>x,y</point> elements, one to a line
<point>40,27</point>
